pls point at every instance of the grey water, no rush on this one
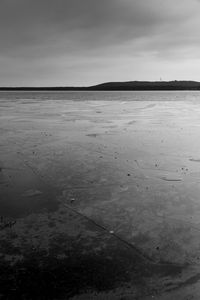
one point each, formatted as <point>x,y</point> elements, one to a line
<point>102,95</point>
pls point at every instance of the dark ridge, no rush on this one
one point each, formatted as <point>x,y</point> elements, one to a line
<point>120,86</point>
<point>148,85</point>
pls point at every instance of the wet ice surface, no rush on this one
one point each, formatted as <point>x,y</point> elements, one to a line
<point>100,198</point>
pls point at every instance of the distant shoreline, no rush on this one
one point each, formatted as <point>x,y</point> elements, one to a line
<point>120,86</point>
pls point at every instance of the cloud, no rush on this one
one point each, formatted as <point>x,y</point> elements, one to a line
<point>86,22</point>
<point>54,34</point>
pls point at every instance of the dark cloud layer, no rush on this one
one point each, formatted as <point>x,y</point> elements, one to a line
<point>59,39</point>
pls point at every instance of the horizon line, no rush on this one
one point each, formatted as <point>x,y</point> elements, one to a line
<point>117,85</point>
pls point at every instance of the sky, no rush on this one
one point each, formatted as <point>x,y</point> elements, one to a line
<point>85,42</point>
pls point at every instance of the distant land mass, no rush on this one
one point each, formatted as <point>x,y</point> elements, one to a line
<point>175,85</point>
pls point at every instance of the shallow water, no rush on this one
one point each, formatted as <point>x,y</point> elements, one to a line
<point>105,178</point>
<point>102,95</point>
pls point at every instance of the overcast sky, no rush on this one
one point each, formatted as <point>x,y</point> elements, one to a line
<point>84,42</point>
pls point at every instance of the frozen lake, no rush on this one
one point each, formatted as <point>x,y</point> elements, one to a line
<point>99,192</point>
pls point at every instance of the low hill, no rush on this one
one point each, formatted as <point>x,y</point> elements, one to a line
<point>148,85</point>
